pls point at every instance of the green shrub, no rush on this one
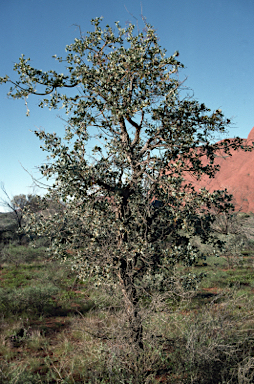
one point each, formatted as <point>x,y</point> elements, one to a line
<point>25,377</point>
<point>17,255</point>
<point>34,299</point>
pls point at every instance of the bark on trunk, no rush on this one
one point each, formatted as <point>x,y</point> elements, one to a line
<point>126,280</point>
<point>131,306</point>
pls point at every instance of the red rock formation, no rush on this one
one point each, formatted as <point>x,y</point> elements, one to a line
<point>236,174</point>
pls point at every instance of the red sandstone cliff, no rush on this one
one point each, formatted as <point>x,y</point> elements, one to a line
<point>236,174</point>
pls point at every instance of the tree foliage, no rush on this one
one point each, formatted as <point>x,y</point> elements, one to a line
<point>17,205</point>
<point>129,216</point>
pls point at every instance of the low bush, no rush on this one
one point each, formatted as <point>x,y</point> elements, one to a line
<point>17,255</point>
<point>219,342</point>
<point>28,299</point>
<point>23,377</point>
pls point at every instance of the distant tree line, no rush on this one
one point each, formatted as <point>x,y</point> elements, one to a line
<point>12,222</point>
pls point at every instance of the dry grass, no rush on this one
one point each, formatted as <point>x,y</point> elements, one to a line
<point>203,337</point>
<point>182,346</point>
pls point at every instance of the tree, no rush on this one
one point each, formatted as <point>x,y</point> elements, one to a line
<point>17,206</point>
<point>126,94</point>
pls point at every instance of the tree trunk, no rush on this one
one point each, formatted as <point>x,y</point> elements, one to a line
<point>126,280</point>
<point>131,306</point>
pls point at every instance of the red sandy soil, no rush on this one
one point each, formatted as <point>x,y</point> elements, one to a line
<point>236,174</point>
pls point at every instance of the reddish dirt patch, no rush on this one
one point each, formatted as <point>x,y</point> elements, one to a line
<point>213,290</point>
<point>50,326</point>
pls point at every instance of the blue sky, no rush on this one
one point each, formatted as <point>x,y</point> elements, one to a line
<point>214,38</point>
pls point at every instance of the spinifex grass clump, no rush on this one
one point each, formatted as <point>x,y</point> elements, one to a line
<point>128,215</point>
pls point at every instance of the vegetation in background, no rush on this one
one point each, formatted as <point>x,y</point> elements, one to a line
<point>15,213</point>
<point>8,228</point>
<point>12,222</point>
